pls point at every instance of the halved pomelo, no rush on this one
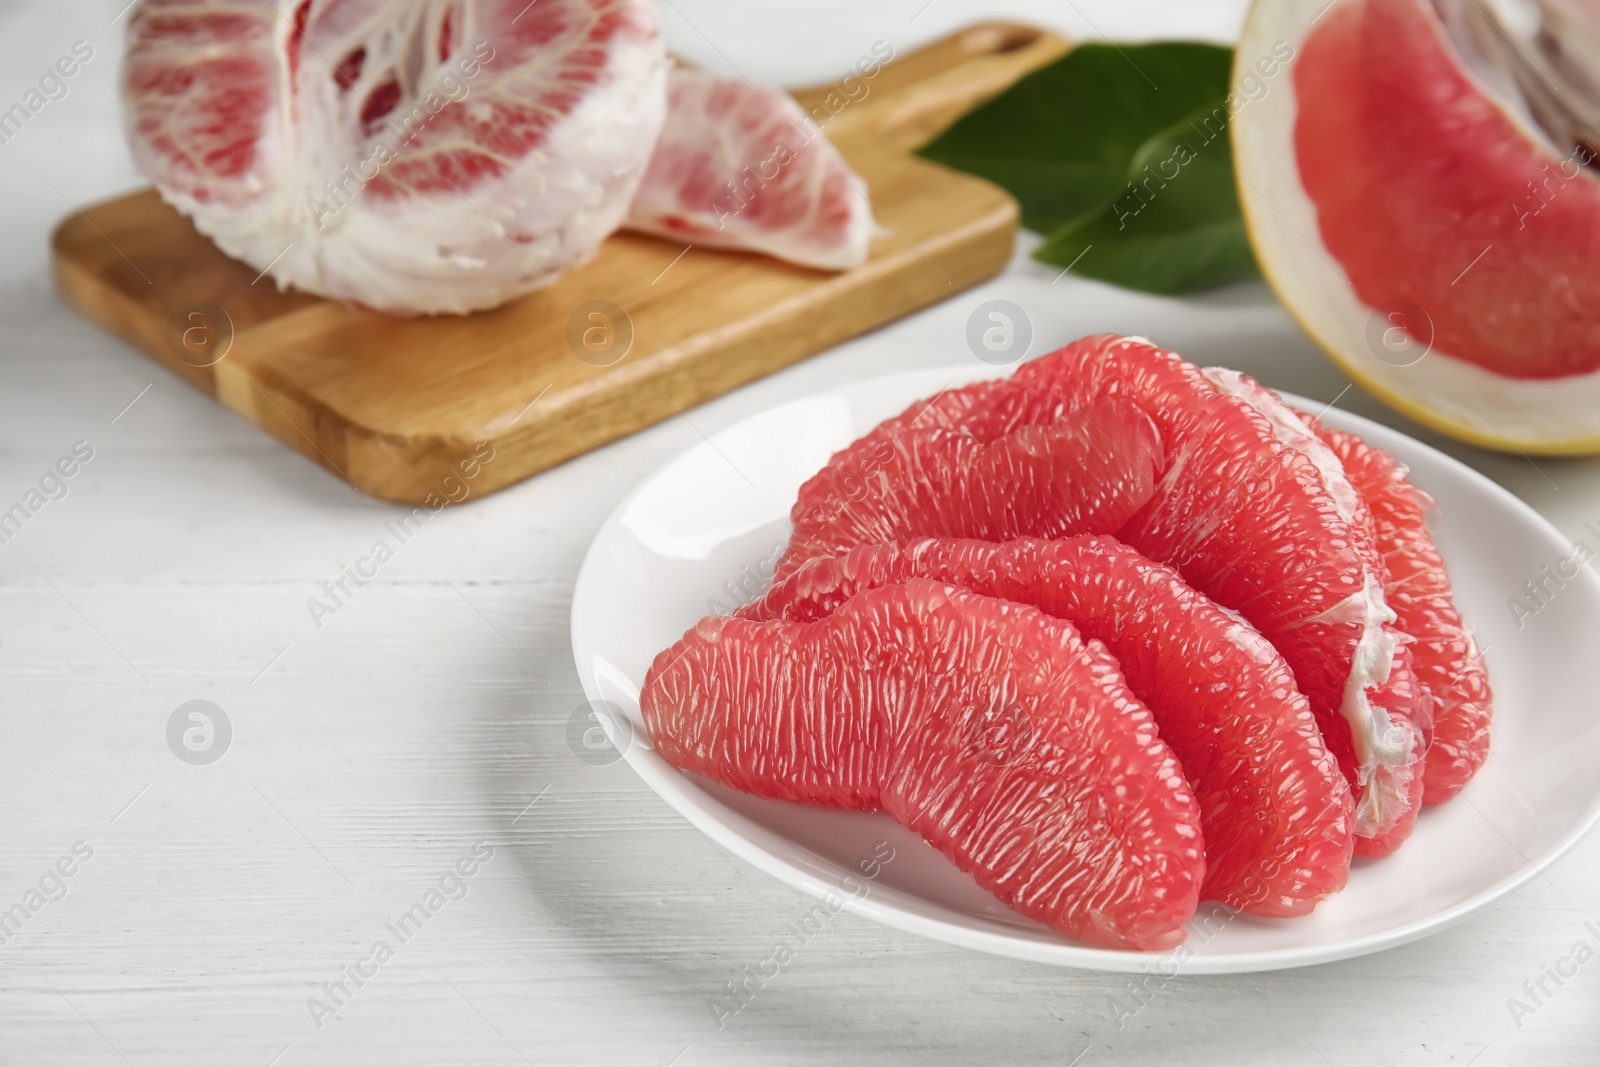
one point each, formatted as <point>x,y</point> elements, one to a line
<point>993,730</point>
<point>1425,231</point>
<point>1275,809</point>
<point>1448,662</point>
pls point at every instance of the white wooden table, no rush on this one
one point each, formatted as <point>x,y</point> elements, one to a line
<point>430,714</point>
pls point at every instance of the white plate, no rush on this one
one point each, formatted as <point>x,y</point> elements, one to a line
<point>703,532</point>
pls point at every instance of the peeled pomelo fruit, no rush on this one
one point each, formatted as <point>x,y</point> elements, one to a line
<point>1258,514</point>
<point>1421,227</point>
<point>1248,505</point>
<point>1274,807</point>
<point>1083,473</point>
<point>993,730</point>
<point>1447,659</point>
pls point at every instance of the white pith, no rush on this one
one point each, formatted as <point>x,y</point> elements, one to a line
<point>451,252</point>
<point>1383,749</point>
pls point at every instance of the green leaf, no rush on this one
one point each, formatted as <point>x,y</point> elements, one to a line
<point>1176,227</point>
<point>1062,138</point>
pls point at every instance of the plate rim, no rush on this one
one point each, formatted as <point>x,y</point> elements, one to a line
<point>678,791</point>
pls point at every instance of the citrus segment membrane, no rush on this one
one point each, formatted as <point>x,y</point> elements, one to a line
<point>992,729</point>
<point>1411,706</point>
<point>1448,662</point>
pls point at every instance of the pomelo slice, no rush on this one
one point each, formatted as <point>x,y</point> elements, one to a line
<point>990,728</point>
<point>1274,806</point>
<point>1248,505</point>
<point>1086,472</point>
<point>1448,663</point>
<point>1421,230</point>
<point>1256,513</point>
<point>743,166</point>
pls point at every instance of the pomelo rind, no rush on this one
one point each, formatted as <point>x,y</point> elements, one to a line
<point>1559,417</point>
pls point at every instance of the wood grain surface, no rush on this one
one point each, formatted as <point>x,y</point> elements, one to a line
<point>402,408</point>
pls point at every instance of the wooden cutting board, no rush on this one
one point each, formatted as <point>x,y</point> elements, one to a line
<point>411,410</point>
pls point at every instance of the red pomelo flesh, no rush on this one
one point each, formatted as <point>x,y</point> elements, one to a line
<point>1085,472</point>
<point>1258,514</point>
<point>993,730</point>
<point>743,166</point>
<point>1248,505</point>
<point>1275,809</point>
<point>1447,659</point>
<point>1416,173</point>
